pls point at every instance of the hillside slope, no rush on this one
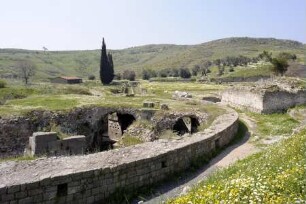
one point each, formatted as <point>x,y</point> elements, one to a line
<point>55,63</point>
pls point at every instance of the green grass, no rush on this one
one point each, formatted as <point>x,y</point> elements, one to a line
<point>259,70</point>
<point>18,158</point>
<point>127,140</point>
<point>46,102</point>
<point>273,124</point>
<point>18,100</point>
<point>276,175</point>
<point>3,84</point>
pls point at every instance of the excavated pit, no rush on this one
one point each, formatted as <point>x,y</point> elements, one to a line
<point>186,125</point>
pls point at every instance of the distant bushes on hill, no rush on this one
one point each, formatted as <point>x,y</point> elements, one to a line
<point>164,73</point>
<point>2,84</point>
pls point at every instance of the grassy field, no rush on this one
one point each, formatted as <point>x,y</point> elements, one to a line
<point>276,175</point>
<point>16,99</point>
<point>56,63</point>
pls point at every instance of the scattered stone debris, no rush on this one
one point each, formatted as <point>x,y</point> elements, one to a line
<point>181,95</point>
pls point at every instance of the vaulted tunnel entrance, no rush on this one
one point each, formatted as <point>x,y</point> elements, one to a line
<point>186,125</point>
<point>110,129</point>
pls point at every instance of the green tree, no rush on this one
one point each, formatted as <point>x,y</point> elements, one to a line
<point>280,65</point>
<point>106,66</point>
<point>266,56</point>
<point>129,75</point>
<point>195,70</point>
<point>185,73</point>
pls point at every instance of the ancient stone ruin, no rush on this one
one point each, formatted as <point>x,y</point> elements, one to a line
<point>266,97</point>
<point>101,129</point>
<point>48,143</point>
<point>186,125</point>
<point>99,177</point>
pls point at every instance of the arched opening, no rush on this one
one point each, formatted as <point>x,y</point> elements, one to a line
<point>110,129</point>
<point>186,125</point>
<point>125,120</point>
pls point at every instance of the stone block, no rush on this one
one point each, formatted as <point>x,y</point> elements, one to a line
<point>21,194</point>
<point>39,142</point>
<point>13,189</point>
<point>49,195</point>
<point>74,144</point>
<point>148,104</point>
<point>7,197</point>
<point>31,186</point>
<point>28,200</point>
<point>35,192</point>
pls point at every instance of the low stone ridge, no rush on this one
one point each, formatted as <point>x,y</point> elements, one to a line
<point>267,96</point>
<point>95,177</point>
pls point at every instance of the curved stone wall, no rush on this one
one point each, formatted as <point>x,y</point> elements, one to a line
<point>96,177</point>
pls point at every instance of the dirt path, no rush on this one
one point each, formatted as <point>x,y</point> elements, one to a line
<point>231,154</point>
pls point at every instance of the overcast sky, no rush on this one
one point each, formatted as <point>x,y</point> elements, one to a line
<point>81,24</point>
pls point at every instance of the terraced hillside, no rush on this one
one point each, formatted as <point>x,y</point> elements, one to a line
<point>55,63</point>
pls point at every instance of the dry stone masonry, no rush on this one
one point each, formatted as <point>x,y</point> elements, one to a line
<point>96,177</point>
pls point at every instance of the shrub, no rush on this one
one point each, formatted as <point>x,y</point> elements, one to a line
<point>148,74</point>
<point>2,84</point>
<point>118,76</point>
<point>129,75</point>
<point>163,73</point>
<point>280,65</point>
<point>185,73</point>
<point>91,77</point>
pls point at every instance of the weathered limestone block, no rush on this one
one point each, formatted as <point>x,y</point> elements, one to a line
<point>74,144</point>
<point>39,142</point>
<point>48,143</point>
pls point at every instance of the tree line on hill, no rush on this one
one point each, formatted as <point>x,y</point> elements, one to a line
<point>280,64</point>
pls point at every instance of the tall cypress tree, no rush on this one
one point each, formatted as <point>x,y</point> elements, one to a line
<point>111,64</point>
<point>106,66</point>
